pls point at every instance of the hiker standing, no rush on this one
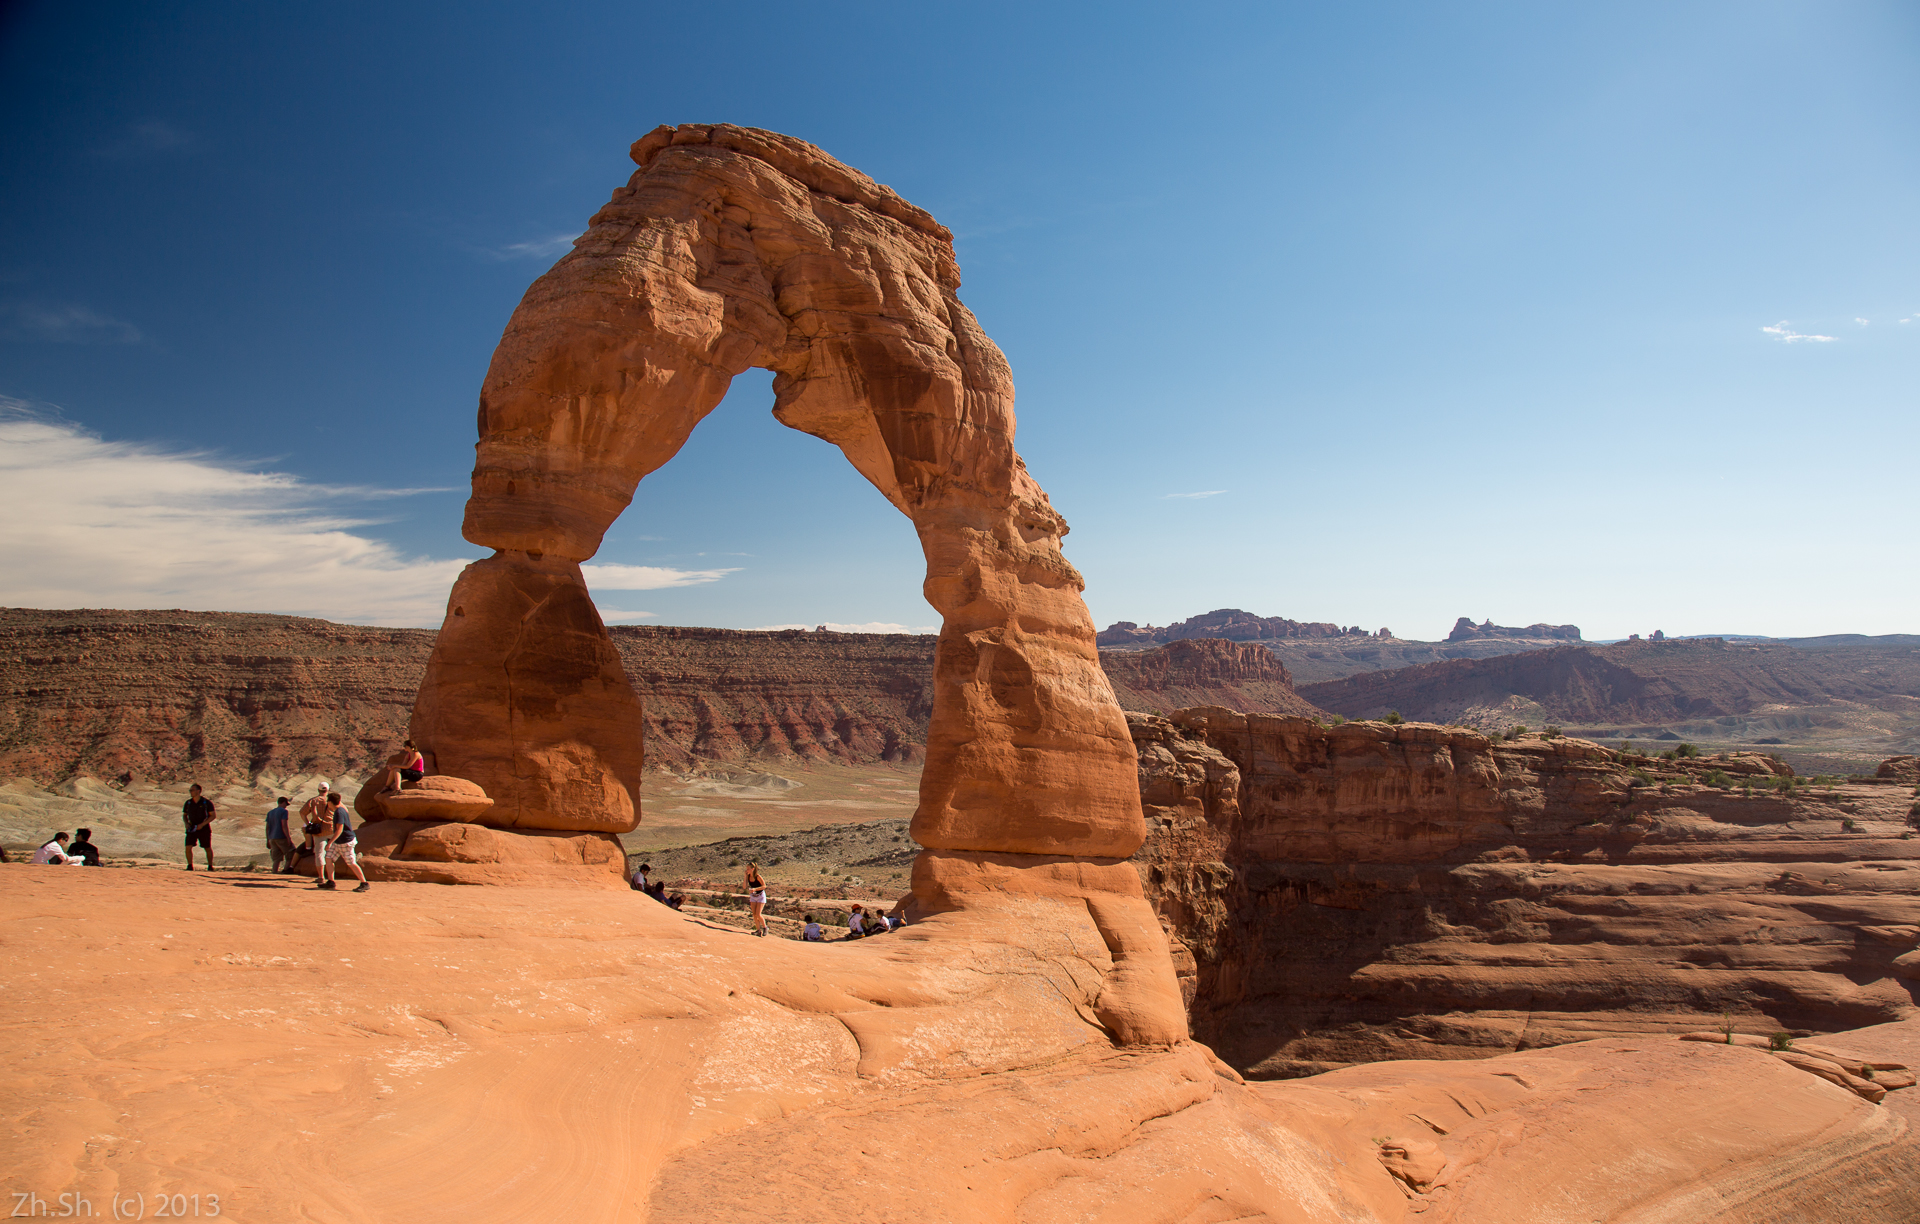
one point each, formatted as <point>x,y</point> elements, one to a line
<point>757,898</point>
<point>197,815</point>
<point>279,842</point>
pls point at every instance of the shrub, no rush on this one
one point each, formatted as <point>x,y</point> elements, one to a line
<point>1720,779</point>
<point>1667,755</point>
<point>1850,825</point>
<point>1393,718</point>
<point>1780,1041</point>
<point>1516,731</point>
<point>1687,751</point>
<point>1639,777</point>
<point>1551,732</point>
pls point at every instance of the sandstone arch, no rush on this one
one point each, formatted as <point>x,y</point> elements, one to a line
<point>731,248</point>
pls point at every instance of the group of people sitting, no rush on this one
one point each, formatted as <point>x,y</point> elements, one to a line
<point>861,922</point>
<point>643,881</point>
<point>76,851</point>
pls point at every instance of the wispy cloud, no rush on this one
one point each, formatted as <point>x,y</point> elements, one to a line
<point>1782,332</point>
<point>99,524</point>
<point>867,627</point>
<point>1192,496</point>
<point>616,614</point>
<point>148,138</point>
<point>35,323</point>
<point>1863,322</point>
<point>647,577</point>
<point>550,247</point>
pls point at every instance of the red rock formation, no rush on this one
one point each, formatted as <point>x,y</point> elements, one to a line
<point>1364,891</point>
<point>1229,623</point>
<point>1900,769</point>
<point>731,248</point>
<point>1464,630</point>
<point>1203,671</point>
<point>172,695</point>
<point>179,696</point>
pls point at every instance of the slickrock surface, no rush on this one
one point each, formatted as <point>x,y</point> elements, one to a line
<point>1368,891</point>
<point>422,1054</point>
<point>170,696</point>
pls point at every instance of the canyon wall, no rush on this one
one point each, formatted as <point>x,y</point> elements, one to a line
<point>1363,892</point>
<point>161,696</point>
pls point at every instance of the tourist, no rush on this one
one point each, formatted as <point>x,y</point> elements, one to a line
<point>339,846</point>
<point>311,813</point>
<point>757,898</point>
<point>408,766</point>
<point>639,881</point>
<point>811,932</point>
<point>279,844</point>
<point>53,850</point>
<point>197,815</point>
<point>856,924</point>
<point>676,900</point>
<point>877,923</point>
<point>83,848</point>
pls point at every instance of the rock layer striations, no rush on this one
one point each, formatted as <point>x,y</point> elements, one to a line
<point>1366,891</point>
<point>731,248</point>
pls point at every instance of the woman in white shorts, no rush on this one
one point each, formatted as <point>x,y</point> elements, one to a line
<point>757,898</point>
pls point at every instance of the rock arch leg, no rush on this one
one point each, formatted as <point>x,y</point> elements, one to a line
<point>731,248</point>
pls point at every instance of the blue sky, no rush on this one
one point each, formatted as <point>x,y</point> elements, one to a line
<point>1381,314</point>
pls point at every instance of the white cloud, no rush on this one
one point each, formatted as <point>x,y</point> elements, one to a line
<point>1789,336</point>
<point>616,614</point>
<point>1861,322</point>
<point>549,247</point>
<point>647,577</point>
<point>868,627</point>
<point>93,524</point>
<point>63,325</point>
<point>1207,493</point>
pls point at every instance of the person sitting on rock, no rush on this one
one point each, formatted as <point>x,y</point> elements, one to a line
<point>676,900</point>
<point>83,848</point>
<point>811,932</point>
<point>856,924</point>
<point>639,881</point>
<point>408,766</point>
<point>53,850</point>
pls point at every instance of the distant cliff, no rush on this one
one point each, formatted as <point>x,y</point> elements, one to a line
<point>1464,630</point>
<point>1631,682</point>
<point>166,695</point>
<point>1229,623</point>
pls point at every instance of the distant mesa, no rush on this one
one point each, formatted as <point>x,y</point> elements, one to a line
<point>1231,624</point>
<point>1464,630</point>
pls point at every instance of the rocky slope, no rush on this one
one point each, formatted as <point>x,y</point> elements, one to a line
<point>1364,891</point>
<point>541,1055</point>
<point>158,696</point>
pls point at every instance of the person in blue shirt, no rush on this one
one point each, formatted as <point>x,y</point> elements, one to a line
<point>279,843</point>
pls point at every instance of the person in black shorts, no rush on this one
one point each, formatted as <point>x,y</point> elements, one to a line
<point>197,815</point>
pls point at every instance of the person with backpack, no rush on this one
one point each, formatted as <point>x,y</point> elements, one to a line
<point>337,845</point>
